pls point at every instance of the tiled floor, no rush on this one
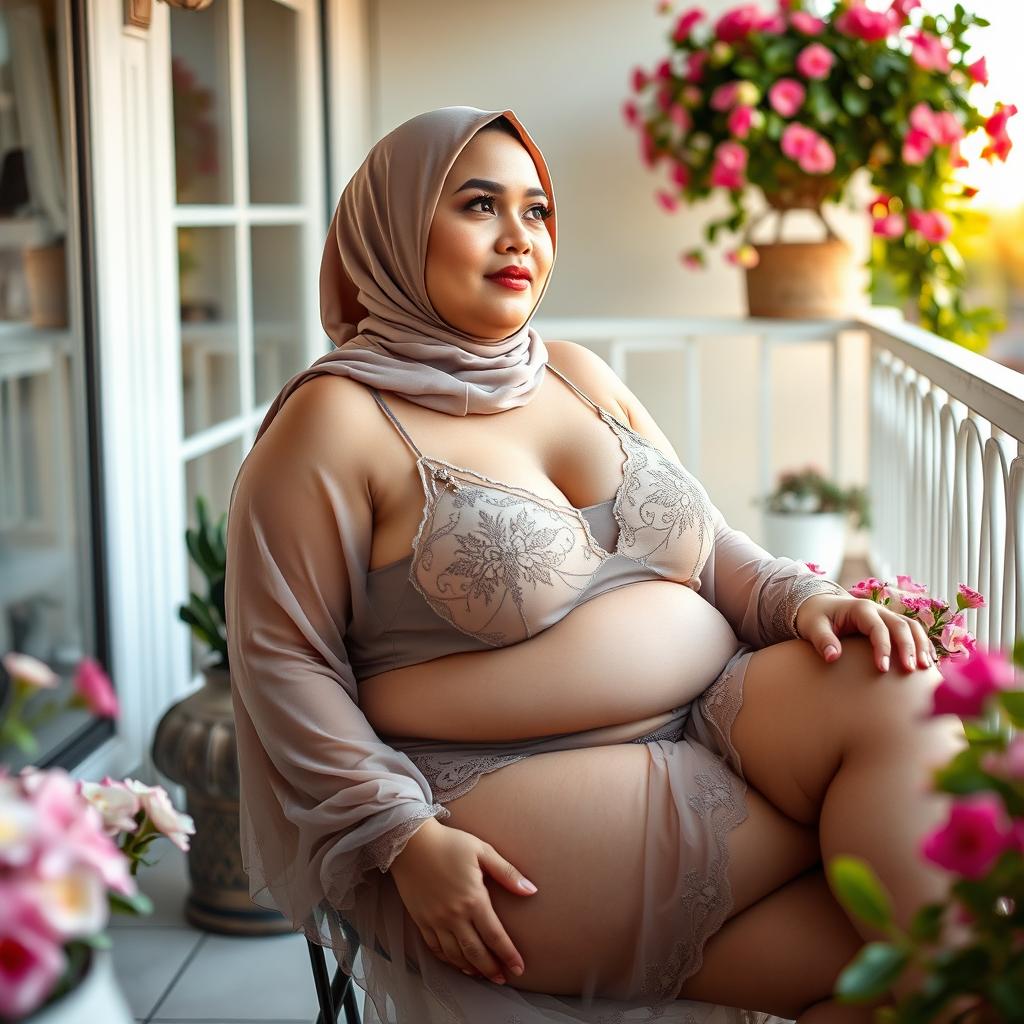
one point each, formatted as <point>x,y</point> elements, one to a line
<point>169,971</point>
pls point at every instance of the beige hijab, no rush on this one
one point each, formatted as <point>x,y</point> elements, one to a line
<point>373,300</point>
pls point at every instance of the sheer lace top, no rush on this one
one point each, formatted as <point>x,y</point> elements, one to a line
<point>501,563</point>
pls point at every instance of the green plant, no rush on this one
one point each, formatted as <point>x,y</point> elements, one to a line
<point>807,490</point>
<point>208,547</point>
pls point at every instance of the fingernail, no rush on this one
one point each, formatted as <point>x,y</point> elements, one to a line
<point>885,664</point>
<point>517,969</point>
<point>464,971</point>
<point>526,885</point>
<point>498,980</point>
<point>831,651</point>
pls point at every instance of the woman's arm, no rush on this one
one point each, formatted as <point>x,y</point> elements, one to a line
<point>758,593</point>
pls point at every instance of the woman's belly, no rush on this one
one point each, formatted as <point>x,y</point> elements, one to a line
<point>622,657</point>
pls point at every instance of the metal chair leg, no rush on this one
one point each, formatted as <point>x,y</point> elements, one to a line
<point>336,994</point>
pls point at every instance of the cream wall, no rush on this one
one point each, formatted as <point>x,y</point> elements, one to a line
<point>564,68</point>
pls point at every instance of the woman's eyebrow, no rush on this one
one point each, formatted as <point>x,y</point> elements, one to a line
<point>495,186</point>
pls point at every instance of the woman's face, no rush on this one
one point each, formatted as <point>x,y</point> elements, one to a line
<point>480,229</point>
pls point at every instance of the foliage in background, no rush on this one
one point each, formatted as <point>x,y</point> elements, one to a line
<point>795,105</point>
<point>208,548</point>
<point>808,490</point>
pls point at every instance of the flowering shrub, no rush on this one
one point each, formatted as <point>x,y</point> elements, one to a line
<point>982,842</point>
<point>61,868</point>
<point>795,104</point>
<point>809,490</point>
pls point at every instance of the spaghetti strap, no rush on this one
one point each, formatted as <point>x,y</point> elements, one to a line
<point>394,419</point>
<point>583,395</point>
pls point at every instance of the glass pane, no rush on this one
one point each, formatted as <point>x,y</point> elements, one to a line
<point>209,326</point>
<point>278,295</point>
<point>202,116</point>
<point>46,571</point>
<point>209,476</point>
<point>272,101</point>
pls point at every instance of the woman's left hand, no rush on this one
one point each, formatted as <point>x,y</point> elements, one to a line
<point>823,618</point>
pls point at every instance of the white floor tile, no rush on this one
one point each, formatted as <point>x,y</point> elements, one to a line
<point>244,979</point>
<point>146,961</point>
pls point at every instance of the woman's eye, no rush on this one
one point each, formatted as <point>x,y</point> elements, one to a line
<point>489,200</point>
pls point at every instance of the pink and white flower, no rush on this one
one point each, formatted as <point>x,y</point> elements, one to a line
<point>917,147</point>
<point>117,804</point>
<point>162,813</point>
<point>968,598</point>
<point>806,24</point>
<point>862,23</point>
<point>31,671</point>
<point>808,149</point>
<point>815,568</point>
<point>974,837</point>
<point>94,686</point>
<point>729,169</point>
<point>33,961</point>
<point>933,225</point>
<point>929,52</point>
<point>871,587</point>
<point>892,225</point>
<point>967,683</point>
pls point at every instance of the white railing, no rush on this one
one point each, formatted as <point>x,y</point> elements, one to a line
<point>945,443</point>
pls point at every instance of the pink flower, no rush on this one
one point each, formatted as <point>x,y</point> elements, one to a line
<point>649,151</point>
<point>740,121</point>
<point>866,587</point>
<point>31,961</point>
<point>815,61</point>
<point>967,684</point>
<point>664,97</point>
<point>692,260</point>
<point>920,606</point>
<point>933,225</point>
<point>93,685</point>
<point>806,23</point>
<point>1008,764</point>
<point>31,671</point>
<point>729,170</point>
<point>684,26</point>
<point>957,640</point>
<point>929,52</point>
<point>786,96</point>
<point>941,127</point>
<point>810,150</point>
<point>815,568</point>
<point>639,79</point>
<point>995,126</point>
<point>902,8</point>
<point>745,256</point>
<point>668,202</point>
<point>695,62</point>
<point>630,113</point>
<point>871,26</point>
<point>891,226</point>
<point>907,583</point>
<point>162,813</point>
<point>664,71</point>
<point>680,174</point>
<point>916,147</point>
<point>117,805</point>
<point>968,598</point>
<point>978,71</point>
<point>724,97</point>
<point>739,22</point>
<point>973,839</point>
<point>680,117</point>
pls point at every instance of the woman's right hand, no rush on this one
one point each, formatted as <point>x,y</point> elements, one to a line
<point>440,878</point>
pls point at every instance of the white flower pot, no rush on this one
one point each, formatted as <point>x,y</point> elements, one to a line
<point>818,537</point>
<point>96,997</point>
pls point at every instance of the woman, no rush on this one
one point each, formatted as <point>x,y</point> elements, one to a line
<point>580,674</point>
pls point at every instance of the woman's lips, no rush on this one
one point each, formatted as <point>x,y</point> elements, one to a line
<point>519,284</point>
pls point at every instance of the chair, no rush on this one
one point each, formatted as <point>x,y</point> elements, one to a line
<point>336,994</point>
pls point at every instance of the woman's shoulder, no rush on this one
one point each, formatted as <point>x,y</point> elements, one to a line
<point>590,373</point>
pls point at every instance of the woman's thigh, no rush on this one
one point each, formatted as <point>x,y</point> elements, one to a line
<point>800,716</point>
<point>575,822</point>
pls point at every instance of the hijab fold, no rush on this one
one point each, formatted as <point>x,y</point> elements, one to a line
<point>373,299</point>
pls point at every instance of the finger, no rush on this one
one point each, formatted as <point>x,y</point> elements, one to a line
<point>878,633</point>
<point>452,952</point>
<point>476,952</point>
<point>925,651</point>
<point>903,641</point>
<point>433,943</point>
<point>493,933</point>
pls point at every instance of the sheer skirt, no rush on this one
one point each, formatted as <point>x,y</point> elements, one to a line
<point>695,796</point>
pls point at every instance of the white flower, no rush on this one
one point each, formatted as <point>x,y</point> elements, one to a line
<point>74,904</point>
<point>117,804</point>
<point>18,829</point>
<point>26,669</point>
<point>157,804</point>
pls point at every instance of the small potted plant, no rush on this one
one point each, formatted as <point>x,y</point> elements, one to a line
<point>807,515</point>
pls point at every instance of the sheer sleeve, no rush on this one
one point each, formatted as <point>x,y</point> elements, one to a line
<point>757,593</point>
<point>323,799</point>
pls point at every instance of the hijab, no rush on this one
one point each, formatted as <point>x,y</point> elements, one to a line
<point>373,298</point>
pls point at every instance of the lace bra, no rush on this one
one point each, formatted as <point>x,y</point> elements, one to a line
<point>501,563</point>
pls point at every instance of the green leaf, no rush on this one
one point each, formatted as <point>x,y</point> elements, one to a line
<point>927,923</point>
<point>138,904</point>
<point>13,731</point>
<point>874,970</point>
<point>855,103</point>
<point>1013,701</point>
<point>860,891</point>
<point>101,940</point>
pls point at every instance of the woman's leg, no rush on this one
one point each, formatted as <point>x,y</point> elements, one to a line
<point>853,749</point>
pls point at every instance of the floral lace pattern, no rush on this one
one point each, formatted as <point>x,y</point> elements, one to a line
<point>381,852</point>
<point>782,610</point>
